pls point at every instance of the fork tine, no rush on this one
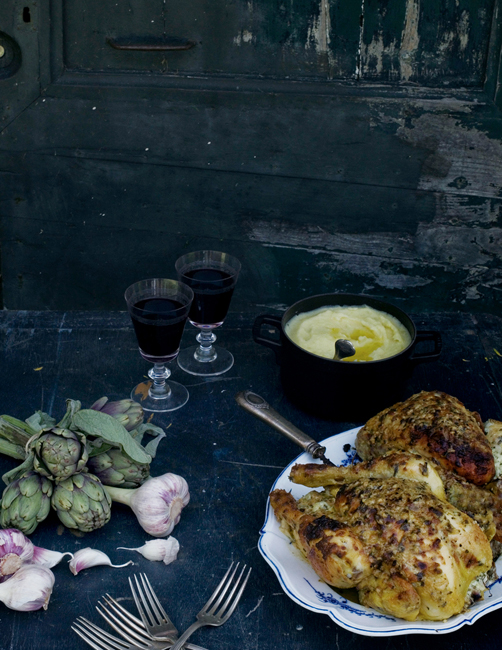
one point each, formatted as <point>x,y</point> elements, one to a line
<point>224,585</point>
<point>123,629</point>
<point>83,635</point>
<point>144,612</point>
<point>99,636</point>
<point>152,597</point>
<point>124,613</point>
<point>230,611</point>
<point>229,597</point>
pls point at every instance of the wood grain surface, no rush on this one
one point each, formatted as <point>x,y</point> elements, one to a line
<point>230,460</point>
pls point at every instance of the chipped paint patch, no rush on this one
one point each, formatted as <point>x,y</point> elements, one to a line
<point>319,30</point>
<point>410,39</point>
<point>367,256</point>
<point>460,157</point>
<point>374,53</point>
<point>244,36</point>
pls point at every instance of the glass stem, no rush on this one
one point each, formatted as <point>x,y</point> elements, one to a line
<point>205,353</point>
<point>158,374</point>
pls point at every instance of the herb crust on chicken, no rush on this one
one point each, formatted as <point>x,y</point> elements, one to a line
<point>407,552</point>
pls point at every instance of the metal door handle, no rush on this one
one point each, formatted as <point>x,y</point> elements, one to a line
<point>164,45</point>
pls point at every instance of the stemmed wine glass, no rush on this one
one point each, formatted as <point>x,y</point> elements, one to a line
<point>212,276</point>
<point>159,309</point>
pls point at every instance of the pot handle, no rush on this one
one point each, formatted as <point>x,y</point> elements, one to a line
<point>426,335</point>
<point>268,339</point>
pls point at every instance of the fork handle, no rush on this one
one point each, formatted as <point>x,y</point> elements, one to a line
<point>188,632</point>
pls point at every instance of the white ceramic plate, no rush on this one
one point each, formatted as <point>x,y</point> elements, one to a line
<point>302,584</point>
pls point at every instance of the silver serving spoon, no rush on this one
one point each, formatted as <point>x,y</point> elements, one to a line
<point>343,349</point>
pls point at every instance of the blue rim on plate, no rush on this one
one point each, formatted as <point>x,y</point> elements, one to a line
<point>301,583</point>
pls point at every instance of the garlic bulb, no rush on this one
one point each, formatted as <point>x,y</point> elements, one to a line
<point>157,503</point>
<point>89,557</point>
<point>15,549</point>
<point>157,550</point>
<point>28,589</point>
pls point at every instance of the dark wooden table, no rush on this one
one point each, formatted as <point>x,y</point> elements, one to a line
<point>230,460</point>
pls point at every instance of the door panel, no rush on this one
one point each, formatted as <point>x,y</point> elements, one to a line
<point>19,59</point>
<point>257,37</point>
<point>443,43</point>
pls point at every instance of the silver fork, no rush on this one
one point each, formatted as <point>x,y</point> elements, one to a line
<point>216,612</point>
<point>130,627</point>
<point>156,621</point>
<point>101,640</point>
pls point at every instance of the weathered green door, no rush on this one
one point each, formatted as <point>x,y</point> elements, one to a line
<point>332,145</point>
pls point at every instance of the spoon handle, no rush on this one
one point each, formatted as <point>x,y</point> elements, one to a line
<point>261,409</point>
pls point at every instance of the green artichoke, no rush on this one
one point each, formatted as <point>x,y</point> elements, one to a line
<point>26,502</point>
<point>59,453</point>
<point>81,502</point>
<point>116,469</point>
<point>128,412</point>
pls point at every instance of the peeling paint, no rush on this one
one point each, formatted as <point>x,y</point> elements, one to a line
<point>468,152</point>
<point>320,28</point>
<point>410,39</point>
<point>375,52</point>
<point>244,36</point>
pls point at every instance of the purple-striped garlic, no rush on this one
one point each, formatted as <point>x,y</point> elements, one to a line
<point>15,550</point>
<point>30,588</point>
<point>157,503</point>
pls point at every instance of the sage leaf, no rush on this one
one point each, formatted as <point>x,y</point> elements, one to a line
<point>72,407</point>
<point>40,421</point>
<point>101,425</point>
<point>152,430</point>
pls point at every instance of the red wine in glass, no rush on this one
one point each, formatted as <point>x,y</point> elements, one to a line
<point>160,329</point>
<point>159,309</point>
<point>210,306</point>
<point>212,277</point>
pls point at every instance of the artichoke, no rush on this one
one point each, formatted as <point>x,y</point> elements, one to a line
<point>116,469</point>
<point>26,502</point>
<point>81,502</point>
<point>128,412</point>
<point>59,453</point>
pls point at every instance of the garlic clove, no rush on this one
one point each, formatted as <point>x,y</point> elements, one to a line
<point>158,550</point>
<point>30,588</point>
<point>47,558</point>
<point>89,557</point>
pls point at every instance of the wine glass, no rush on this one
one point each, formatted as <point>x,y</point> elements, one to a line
<point>159,310</point>
<point>212,277</point>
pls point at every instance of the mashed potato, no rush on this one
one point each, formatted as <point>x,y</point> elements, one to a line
<point>373,333</point>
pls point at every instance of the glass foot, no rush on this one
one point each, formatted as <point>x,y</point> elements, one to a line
<point>186,361</point>
<point>175,399</point>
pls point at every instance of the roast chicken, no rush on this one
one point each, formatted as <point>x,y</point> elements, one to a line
<point>434,425</point>
<point>408,553</point>
<point>409,527</point>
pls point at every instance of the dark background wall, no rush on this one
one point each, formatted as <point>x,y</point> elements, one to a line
<point>331,145</point>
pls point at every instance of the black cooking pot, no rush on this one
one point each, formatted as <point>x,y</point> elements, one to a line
<point>342,390</point>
